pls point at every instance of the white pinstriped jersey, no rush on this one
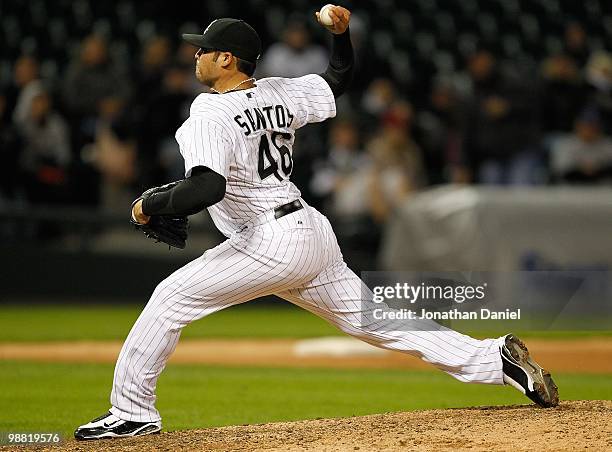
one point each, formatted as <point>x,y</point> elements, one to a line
<point>247,137</point>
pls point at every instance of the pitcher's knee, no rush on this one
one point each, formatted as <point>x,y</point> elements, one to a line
<point>164,292</point>
<point>353,328</point>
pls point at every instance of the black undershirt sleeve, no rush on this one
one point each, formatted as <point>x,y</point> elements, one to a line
<point>340,70</point>
<point>200,190</point>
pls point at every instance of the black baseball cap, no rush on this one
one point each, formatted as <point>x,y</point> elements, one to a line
<point>229,35</point>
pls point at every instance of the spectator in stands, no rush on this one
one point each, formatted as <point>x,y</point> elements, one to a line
<point>10,150</point>
<point>396,168</point>
<point>338,178</point>
<point>585,156</point>
<point>563,94</point>
<point>378,97</point>
<point>114,157</point>
<point>92,86</point>
<point>341,180</point>
<point>165,110</point>
<point>26,85</point>
<point>501,125</point>
<point>438,133</point>
<point>368,65</point>
<point>294,56</point>
<point>150,72</point>
<point>46,153</point>
<point>599,79</point>
<point>575,43</point>
<point>376,101</point>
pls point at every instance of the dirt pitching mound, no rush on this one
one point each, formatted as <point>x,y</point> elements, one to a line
<point>571,426</point>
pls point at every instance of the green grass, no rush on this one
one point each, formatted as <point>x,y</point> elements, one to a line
<point>100,322</point>
<point>58,397</point>
<point>251,320</point>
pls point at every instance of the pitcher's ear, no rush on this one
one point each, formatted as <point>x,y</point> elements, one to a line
<point>226,58</point>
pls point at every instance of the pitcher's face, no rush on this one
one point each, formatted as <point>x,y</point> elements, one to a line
<point>205,66</point>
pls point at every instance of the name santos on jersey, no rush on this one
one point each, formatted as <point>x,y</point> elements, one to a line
<point>278,116</point>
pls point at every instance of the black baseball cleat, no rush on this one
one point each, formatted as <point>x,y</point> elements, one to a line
<point>110,426</point>
<point>526,375</point>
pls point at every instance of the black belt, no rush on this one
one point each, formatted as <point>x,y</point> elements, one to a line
<point>288,208</point>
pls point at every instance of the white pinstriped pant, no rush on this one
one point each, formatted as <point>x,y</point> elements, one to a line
<point>297,258</point>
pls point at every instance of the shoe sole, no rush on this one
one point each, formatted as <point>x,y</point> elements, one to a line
<point>147,430</point>
<point>543,383</point>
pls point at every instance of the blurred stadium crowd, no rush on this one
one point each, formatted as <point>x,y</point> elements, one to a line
<point>509,92</point>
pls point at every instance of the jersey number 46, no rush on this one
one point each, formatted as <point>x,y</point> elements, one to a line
<point>267,165</point>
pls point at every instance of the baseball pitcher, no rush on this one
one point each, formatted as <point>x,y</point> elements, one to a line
<point>238,149</point>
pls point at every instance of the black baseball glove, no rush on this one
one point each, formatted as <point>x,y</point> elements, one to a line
<point>169,229</point>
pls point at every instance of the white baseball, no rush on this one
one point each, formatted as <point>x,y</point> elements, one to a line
<point>324,16</point>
